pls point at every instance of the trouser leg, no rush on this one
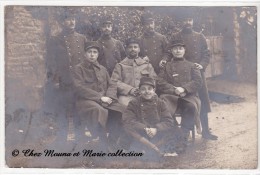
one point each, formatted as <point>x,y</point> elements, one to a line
<point>93,116</point>
<point>204,120</point>
<point>187,112</point>
<point>114,124</point>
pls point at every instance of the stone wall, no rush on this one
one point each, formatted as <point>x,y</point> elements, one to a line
<point>24,59</point>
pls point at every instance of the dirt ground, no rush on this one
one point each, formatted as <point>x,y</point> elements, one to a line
<point>236,148</point>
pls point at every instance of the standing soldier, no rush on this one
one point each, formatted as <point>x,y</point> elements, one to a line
<point>112,50</point>
<point>152,44</point>
<point>64,51</point>
<point>197,52</point>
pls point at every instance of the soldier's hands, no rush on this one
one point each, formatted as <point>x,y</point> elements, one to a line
<point>162,63</point>
<point>107,100</point>
<point>183,94</point>
<point>198,66</point>
<point>179,90</point>
<point>134,92</point>
<point>151,132</point>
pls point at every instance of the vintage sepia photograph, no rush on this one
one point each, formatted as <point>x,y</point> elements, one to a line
<point>130,87</point>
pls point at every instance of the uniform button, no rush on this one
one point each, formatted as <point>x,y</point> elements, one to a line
<point>77,40</point>
<point>64,36</point>
<point>153,41</point>
<point>154,53</point>
<point>79,52</point>
<point>78,46</point>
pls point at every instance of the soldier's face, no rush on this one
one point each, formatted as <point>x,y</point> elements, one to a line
<point>188,23</point>
<point>149,26</point>
<point>107,28</point>
<point>178,51</point>
<point>91,55</point>
<point>69,23</point>
<point>147,91</point>
<point>133,50</point>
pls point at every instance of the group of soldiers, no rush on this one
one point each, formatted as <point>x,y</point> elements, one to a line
<point>130,95</point>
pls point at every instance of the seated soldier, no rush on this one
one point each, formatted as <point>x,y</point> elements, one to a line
<point>128,72</point>
<point>96,94</point>
<point>178,83</point>
<point>147,121</point>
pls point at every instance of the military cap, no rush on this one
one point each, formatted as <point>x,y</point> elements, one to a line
<point>91,44</point>
<point>65,13</point>
<point>147,81</point>
<point>131,41</point>
<point>107,19</point>
<point>146,18</point>
<point>174,43</point>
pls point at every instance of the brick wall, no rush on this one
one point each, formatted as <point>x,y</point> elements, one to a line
<point>24,59</point>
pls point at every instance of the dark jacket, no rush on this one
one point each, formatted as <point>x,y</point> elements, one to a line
<point>111,52</point>
<point>180,73</point>
<point>196,48</point>
<point>141,113</point>
<point>197,52</point>
<point>64,52</point>
<point>153,46</point>
<point>92,81</point>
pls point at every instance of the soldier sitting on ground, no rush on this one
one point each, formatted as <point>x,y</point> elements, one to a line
<point>178,84</point>
<point>149,124</point>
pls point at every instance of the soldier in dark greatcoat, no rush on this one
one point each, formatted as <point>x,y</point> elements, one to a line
<point>197,52</point>
<point>64,51</point>
<point>96,95</point>
<point>178,84</point>
<point>152,44</point>
<point>112,50</point>
<point>147,121</point>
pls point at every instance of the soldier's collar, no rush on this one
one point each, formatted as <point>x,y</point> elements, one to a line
<point>106,37</point>
<point>91,65</point>
<point>177,59</point>
<point>138,61</point>
<point>187,31</point>
<point>149,34</point>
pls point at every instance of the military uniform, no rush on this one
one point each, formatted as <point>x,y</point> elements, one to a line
<point>75,47</point>
<point>197,52</point>
<point>153,113</point>
<point>153,46</point>
<point>181,73</point>
<point>112,52</point>
<point>127,74</point>
<point>91,83</point>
